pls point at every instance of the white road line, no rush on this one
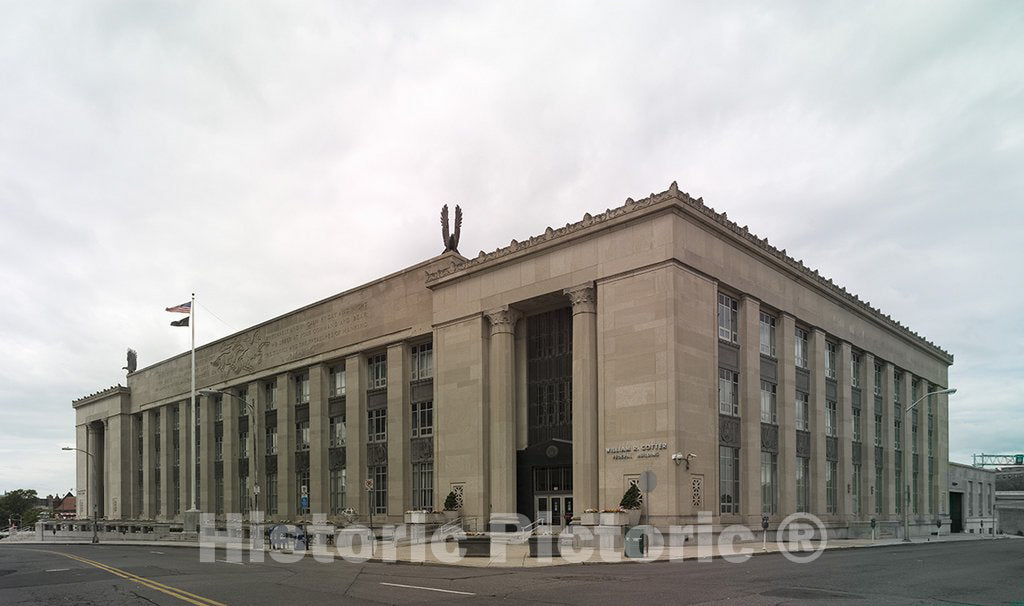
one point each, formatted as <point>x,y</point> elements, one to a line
<point>58,570</point>
<point>227,562</point>
<point>157,552</point>
<point>428,588</point>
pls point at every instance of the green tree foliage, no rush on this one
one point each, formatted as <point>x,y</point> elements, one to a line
<point>451,502</point>
<point>631,498</point>
<point>19,504</point>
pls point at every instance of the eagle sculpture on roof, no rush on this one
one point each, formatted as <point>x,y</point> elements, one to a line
<point>451,240</point>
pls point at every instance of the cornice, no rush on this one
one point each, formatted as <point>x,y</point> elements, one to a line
<point>719,221</point>
<point>103,393</point>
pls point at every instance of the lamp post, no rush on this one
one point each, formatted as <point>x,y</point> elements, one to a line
<point>92,497</point>
<point>906,416</point>
<point>255,478</point>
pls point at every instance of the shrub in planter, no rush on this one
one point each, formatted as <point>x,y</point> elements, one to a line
<point>630,504</point>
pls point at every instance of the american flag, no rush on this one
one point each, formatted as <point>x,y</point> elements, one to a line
<point>184,308</point>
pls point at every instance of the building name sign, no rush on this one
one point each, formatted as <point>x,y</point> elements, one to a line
<point>647,450</point>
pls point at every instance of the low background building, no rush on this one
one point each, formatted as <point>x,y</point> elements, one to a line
<point>972,499</point>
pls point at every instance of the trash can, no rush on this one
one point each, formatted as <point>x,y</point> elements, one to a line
<point>634,544</point>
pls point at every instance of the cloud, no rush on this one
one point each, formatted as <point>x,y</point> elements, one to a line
<point>265,157</point>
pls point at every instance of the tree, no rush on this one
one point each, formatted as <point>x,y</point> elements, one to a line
<point>631,498</point>
<point>20,507</point>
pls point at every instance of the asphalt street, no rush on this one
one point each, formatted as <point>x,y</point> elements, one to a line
<point>976,572</point>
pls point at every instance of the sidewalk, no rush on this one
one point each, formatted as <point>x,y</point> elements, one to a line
<point>517,555</point>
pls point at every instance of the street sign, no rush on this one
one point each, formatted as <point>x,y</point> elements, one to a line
<point>368,484</point>
<point>305,490</point>
<point>304,502</point>
<point>647,482</point>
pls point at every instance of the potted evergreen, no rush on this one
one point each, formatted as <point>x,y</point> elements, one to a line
<point>451,506</point>
<point>631,504</point>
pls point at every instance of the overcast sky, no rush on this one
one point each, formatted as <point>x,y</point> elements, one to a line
<point>267,155</point>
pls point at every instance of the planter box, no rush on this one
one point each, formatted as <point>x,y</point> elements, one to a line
<point>590,519</point>
<point>613,519</point>
<point>633,517</point>
<point>475,547</point>
<point>452,515</point>
<point>423,517</point>
<point>544,546</point>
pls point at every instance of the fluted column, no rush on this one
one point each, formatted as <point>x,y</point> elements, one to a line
<point>502,396</point>
<point>585,456</point>
<point>750,410</point>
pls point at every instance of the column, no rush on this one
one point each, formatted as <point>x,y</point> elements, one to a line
<point>502,405</point>
<point>232,407</point>
<point>166,464</point>
<point>891,490</point>
<point>844,406</point>
<point>819,466</point>
<point>258,452</point>
<point>942,454</point>
<point>82,473</point>
<point>148,467</point>
<point>399,430</point>
<point>750,411</point>
<point>319,440</point>
<point>867,399</point>
<point>287,493</point>
<point>786,397</point>
<point>207,494</point>
<point>522,403</point>
<point>908,460</point>
<point>355,434</point>
<point>118,457</point>
<point>585,456</point>
<point>186,466</point>
<point>922,453</point>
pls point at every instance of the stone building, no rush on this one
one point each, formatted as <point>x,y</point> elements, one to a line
<point>548,375</point>
<point>972,493</point>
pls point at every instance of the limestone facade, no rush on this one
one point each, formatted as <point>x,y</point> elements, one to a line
<point>547,376</point>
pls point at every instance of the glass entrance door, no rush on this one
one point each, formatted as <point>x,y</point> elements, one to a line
<point>551,509</point>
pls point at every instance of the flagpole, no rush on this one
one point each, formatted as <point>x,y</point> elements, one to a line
<point>192,417</point>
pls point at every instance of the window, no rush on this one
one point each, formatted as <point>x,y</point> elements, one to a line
<point>218,493</point>
<point>272,493</point>
<point>218,408</point>
<point>879,494</point>
<point>175,418</point>
<point>377,371</point>
<point>729,479</point>
<point>855,370</point>
<point>272,440</point>
<point>769,483</point>
<point>856,489</point>
<point>243,444</point>
<point>727,323</point>
<point>218,447</point>
<point>302,388</point>
<point>831,419</point>
<point>302,488</point>
<point>270,394</point>
<point>900,489</point>
<point>830,360</point>
<point>337,379</point>
<point>156,487</point>
<point>377,425</point>
<point>728,392</point>
<point>897,423</point>
<point>243,492</point>
<point>970,498</point>
<point>769,409</point>
<point>913,430</point>
<point>423,419</point>
<point>831,494</point>
<point>337,431</point>
<point>878,379</point>
<point>914,491</point>
<point>379,494</point>
<point>802,412</point>
<point>422,361</point>
<point>423,485</point>
<point>897,383</point>
<point>878,426</point>
<point>801,348</point>
<point>803,487</point>
<point>338,481</point>
<point>302,435</point>
<point>767,335</point>
<point>856,425</point>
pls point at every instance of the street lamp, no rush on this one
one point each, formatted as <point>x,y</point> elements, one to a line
<point>92,497</point>
<point>255,481</point>
<point>908,476</point>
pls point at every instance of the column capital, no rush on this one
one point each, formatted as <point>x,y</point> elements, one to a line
<point>503,319</point>
<point>583,298</point>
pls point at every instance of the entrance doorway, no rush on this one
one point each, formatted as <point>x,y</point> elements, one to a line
<point>956,512</point>
<point>551,508</point>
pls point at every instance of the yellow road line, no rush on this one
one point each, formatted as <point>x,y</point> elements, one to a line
<point>181,594</point>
